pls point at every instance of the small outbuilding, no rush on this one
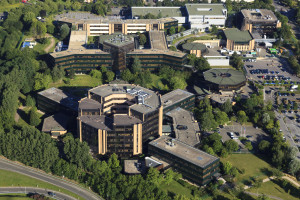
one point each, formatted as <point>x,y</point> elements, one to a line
<point>198,49</point>
<point>56,125</point>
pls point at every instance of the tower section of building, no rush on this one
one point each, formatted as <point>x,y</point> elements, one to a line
<point>119,119</point>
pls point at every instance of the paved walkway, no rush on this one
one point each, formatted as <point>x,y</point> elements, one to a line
<point>291,180</point>
<point>47,49</point>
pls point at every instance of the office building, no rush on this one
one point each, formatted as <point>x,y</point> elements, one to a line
<point>224,79</point>
<point>95,25</point>
<point>237,40</point>
<point>178,98</point>
<point>119,118</point>
<point>203,16</point>
<point>195,165</point>
<point>260,21</point>
<point>54,100</point>
<point>198,49</point>
<point>56,125</point>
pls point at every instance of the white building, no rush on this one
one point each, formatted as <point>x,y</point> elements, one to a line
<point>202,16</point>
<point>217,60</point>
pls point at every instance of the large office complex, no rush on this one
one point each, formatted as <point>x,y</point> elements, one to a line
<point>199,16</point>
<point>194,165</point>
<point>178,98</point>
<point>119,119</point>
<point>261,21</point>
<point>237,40</point>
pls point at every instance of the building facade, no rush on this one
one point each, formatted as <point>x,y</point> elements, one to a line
<point>237,40</point>
<point>119,119</point>
<point>261,21</point>
<point>195,165</point>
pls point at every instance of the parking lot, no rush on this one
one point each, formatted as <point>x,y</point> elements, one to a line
<point>270,69</point>
<point>290,128</point>
<point>255,135</point>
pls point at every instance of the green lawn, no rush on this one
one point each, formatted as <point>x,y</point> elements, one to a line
<point>16,196</point>
<point>8,7</point>
<point>39,47</point>
<point>8,178</point>
<point>254,166</point>
<point>274,189</point>
<point>156,83</point>
<point>79,81</point>
<point>176,188</point>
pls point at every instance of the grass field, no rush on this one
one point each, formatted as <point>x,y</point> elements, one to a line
<point>274,189</point>
<point>8,178</point>
<point>8,7</point>
<point>79,81</point>
<point>254,166</point>
<point>220,67</point>
<point>14,197</point>
<point>176,188</point>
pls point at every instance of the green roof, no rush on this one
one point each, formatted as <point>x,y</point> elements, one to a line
<point>224,76</point>
<point>236,35</point>
<point>165,11</point>
<point>194,46</point>
<point>205,9</point>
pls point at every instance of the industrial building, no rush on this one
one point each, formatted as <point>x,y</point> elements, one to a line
<point>224,79</point>
<point>119,118</point>
<point>237,40</point>
<point>260,21</point>
<point>195,165</point>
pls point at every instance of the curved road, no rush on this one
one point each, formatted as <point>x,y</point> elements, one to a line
<point>59,182</point>
<point>28,190</point>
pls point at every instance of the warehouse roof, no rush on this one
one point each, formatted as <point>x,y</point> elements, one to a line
<point>184,151</point>
<point>165,11</point>
<point>236,35</point>
<point>224,76</point>
<point>205,9</point>
<point>194,46</point>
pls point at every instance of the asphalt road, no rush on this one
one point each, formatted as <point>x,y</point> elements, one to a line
<point>59,182</point>
<point>28,190</point>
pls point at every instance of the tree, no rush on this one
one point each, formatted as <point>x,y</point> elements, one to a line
<point>96,74</point>
<point>30,101</point>
<point>227,167</point>
<point>263,197</point>
<point>40,29</point>
<point>294,166</point>
<point>136,65</point>
<point>34,119</point>
<point>153,176</point>
<point>143,39</point>
<point>172,48</point>
<point>71,73</point>
<point>177,83</point>
<point>264,146</point>
<point>231,146</point>
<point>109,76</point>
<point>227,107</point>
<point>169,175</point>
<point>172,30</point>
<point>28,17</point>
<point>248,145</point>
<point>201,64</point>
<point>50,28</point>
<point>265,118</point>
<point>242,117</point>
<point>214,30</point>
<point>126,75</point>
<point>57,73</point>
<point>221,117</point>
<point>64,31</point>
<point>76,6</point>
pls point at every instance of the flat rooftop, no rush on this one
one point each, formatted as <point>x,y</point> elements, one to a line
<point>174,97</point>
<point>134,167</point>
<point>89,104</point>
<point>205,9</point>
<point>165,11</point>
<point>119,40</point>
<point>184,151</point>
<point>88,18</point>
<point>61,97</point>
<point>224,76</point>
<point>56,122</point>
<point>77,45</point>
<point>157,51</point>
<point>151,102</point>
<point>183,117</point>
<point>238,36</point>
<point>158,40</point>
<point>259,15</point>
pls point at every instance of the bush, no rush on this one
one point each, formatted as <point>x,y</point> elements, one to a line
<point>30,101</point>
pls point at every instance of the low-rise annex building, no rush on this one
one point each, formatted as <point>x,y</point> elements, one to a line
<point>195,165</point>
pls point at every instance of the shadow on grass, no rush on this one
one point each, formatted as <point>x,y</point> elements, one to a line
<point>288,188</point>
<point>245,196</point>
<point>266,171</point>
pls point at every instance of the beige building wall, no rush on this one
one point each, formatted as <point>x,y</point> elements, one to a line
<point>160,120</point>
<point>238,47</point>
<point>196,52</point>
<point>137,139</point>
<point>102,142</point>
<point>79,129</point>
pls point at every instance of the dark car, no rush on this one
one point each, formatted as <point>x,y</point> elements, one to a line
<point>51,194</point>
<point>249,136</point>
<point>181,127</point>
